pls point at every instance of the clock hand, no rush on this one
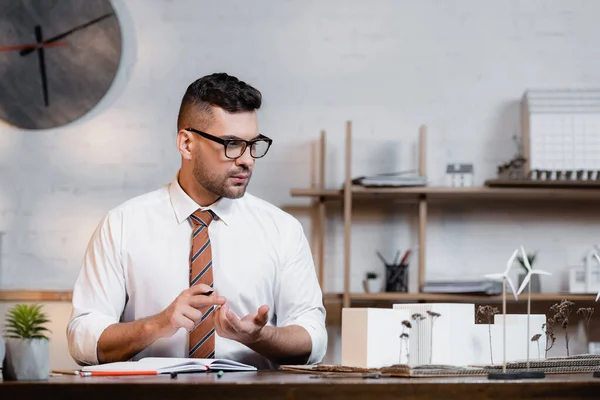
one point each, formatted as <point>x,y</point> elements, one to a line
<point>67,33</point>
<point>32,46</point>
<point>42,61</point>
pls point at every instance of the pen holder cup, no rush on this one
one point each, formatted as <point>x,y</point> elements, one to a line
<point>396,278</point>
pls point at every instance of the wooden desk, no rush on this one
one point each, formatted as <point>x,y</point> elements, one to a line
<point>285,385</point>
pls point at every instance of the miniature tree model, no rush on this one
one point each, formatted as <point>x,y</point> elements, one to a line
<point>587,316</point>
<point>562,312</point>
<point>536,338</point>
<point>548,329</point>
<point>486,314</point>
<point>404,338</point>
<point>418,318</point>
<point>433,316</point>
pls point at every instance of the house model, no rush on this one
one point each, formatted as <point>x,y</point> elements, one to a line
<point>458,175</point>
<point>585,278</point>
<point>440,333</point>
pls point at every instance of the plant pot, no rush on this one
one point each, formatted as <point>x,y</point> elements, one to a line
<point>2,351</point>
<point>373,285</point>
<point>534,282</point>
<point>26,360</point>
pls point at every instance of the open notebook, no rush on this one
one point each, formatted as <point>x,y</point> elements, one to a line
<point>167,365</point>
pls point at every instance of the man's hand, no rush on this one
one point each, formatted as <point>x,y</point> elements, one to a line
<point>184,311</point>
<point>246,330</point>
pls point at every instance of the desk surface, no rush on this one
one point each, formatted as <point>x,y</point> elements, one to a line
<point>287,385</point>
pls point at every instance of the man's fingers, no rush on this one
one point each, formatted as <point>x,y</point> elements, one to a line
<point>262,316</point>
<point>192,313</point>
<point>199,288</point>
<point>235,322</point>
<point>184,322</point>
<point>201,300</point>
<point>221,319</point>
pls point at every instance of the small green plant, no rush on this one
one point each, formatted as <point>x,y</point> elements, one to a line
<point>530,257</point>
<point>372,275</point>
<point>26,322</point>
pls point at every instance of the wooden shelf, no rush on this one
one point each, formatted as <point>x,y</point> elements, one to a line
<point>449,193</point>
<point>513,193</point>
<point>542,184</point>
<point>440,297</point>
<point>315,192</point>
<point>34,295</point>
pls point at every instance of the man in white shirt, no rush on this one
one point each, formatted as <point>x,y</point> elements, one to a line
<point>199,267</point>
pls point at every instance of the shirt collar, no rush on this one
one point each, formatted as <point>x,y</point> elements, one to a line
<point>184,205</point>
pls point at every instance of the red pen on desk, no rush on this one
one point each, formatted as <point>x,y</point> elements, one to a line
<point>116,373</point>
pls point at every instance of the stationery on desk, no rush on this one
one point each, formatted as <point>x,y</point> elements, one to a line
<point>163,365</point>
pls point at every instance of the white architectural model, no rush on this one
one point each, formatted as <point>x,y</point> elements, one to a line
<point>440,333</point>
<point>459,175</point>
<point>586,278</point>
<point>371,337</point>
<point>561,133</point>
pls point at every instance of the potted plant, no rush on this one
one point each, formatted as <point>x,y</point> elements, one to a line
<point>27,346</point>
<point>373,283</point>
<point>535,279</point>
<point>2,351</point>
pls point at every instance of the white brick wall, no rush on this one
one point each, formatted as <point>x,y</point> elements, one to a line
<point>460,67</point>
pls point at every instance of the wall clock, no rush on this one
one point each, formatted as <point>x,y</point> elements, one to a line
<point>58,58</point>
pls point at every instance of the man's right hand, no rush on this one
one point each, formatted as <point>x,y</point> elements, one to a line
<point>184,311</point>
<point>121,341</point>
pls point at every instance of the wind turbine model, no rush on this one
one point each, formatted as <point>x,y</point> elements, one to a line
<point>505,278</point>
<point>530,271</point>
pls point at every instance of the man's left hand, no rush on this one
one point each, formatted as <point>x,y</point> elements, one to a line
<point>246,330</point>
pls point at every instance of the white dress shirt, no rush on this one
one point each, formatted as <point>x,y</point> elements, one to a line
<point>137,263</point>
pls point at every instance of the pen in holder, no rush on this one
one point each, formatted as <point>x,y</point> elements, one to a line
<point>396,278</point>
<point>396,272</point>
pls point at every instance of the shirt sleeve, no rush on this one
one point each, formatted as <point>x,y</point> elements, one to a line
<point>99,291</point>
<point>299,300</point>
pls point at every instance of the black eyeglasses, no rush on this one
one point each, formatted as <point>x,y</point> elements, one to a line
<point>234,148</point>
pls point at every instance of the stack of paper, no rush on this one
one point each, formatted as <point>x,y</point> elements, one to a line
<point>392,179</point>
<point>473,287</point>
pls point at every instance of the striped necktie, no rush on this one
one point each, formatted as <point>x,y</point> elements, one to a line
<point>202,337</point>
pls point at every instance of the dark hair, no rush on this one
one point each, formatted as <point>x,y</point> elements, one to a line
<point>221,90</point>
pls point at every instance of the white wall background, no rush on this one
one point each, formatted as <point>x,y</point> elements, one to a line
<point>459,67</point>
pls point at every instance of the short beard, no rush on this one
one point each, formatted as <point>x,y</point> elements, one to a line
<point>216,184</point>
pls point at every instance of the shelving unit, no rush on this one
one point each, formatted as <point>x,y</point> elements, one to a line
<point>495,190</point>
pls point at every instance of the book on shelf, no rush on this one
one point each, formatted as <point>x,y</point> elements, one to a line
<point>485,287</point>
<point>167,365</point>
